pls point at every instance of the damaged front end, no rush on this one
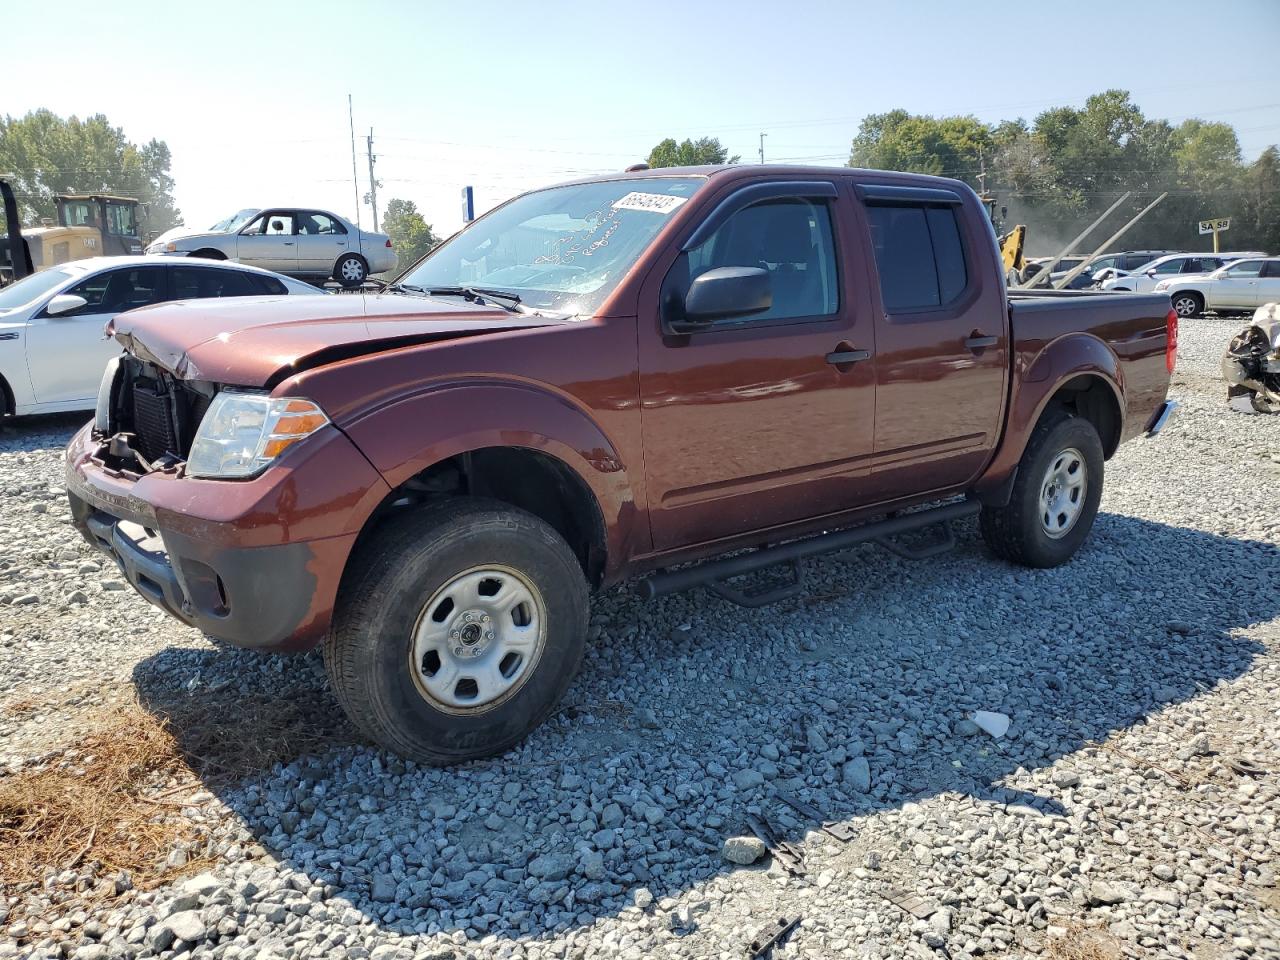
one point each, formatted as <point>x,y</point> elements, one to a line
<point>1251,364</point>
<point>146,417</point>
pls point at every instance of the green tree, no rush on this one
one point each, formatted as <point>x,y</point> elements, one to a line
<point>690,153</point>
<point>1260,203</point>
<point>942,146</point>
<point>48,155</point>
<point>410,234</point>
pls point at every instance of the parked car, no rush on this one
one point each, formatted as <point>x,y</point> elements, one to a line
<point>1100,268</point>
<point>1243,285</point>
<point>52,345</point>
<point>312,244</point>
<point>594,382</point>
<point>1146,277</point>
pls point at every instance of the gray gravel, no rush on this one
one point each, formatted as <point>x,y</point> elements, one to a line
<point>1132,678</point>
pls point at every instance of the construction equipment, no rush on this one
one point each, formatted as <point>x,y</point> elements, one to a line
<point>89,225</point>
<point>1012,242</point>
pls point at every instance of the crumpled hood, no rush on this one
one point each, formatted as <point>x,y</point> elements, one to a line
<point>252,341</point>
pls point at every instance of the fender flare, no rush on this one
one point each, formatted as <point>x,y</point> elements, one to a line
<point>1057,364</point>
<point>485,413</point>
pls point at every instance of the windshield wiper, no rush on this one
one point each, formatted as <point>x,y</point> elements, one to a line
<point>481,295</point>
<point>397,287</point>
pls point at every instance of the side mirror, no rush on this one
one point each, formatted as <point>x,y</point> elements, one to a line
<point>728,292</point>
<point>65,303</point>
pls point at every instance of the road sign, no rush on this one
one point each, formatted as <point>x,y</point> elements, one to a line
<point>1214,226</point>
<point>468,205</point>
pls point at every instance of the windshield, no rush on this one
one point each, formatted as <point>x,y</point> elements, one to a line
<point>31,288</point>
<point>564,248</point>
<point>233,222</point>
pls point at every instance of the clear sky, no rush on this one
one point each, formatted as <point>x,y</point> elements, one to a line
<point>252,96</point>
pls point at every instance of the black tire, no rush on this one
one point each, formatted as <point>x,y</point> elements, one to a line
<point>1187,303</point>
<point>351,270</point>
<point>1017,532</point>
<point>209,255</point>
<point>406,566</point>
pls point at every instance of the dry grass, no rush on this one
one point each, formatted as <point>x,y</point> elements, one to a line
<point>102,800</point>
<point>1081,943</point>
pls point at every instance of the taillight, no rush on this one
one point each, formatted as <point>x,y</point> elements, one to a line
<point>1171,340</point>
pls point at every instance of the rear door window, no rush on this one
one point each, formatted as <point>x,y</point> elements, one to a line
<point>196,283</point>
<point>919,255</point>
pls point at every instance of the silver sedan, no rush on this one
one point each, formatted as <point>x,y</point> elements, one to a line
<point>298,242</point>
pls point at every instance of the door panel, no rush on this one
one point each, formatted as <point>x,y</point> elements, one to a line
<point>321,240</point>
<point>269,242</point>
<point>66,355</point>
<point>942,349</point>
<point>747,425</point>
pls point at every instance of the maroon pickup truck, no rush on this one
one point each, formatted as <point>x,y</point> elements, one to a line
<point>596,382</point>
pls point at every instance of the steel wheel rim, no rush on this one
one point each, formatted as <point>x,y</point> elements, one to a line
<point>1185,306</point>
<point>478,639</point>
<point>351,270</point>
<point>1062,492</point>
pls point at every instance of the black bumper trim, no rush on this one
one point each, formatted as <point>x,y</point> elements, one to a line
<point>246,596</point>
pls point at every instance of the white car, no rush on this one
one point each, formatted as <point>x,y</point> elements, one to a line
<point>295,241</point>
<point>52,345</point>
<point>1145,277</point>
<point>1241,286</point>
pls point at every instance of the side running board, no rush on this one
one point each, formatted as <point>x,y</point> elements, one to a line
<point>714,573</point>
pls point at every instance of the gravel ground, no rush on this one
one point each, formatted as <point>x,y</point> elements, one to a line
<point>1109,812</point>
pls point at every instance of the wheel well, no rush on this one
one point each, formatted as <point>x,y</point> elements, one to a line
<point>1090,397</point>
<point>7,402</point>
<point>532,481</point>
<point>209,254</point>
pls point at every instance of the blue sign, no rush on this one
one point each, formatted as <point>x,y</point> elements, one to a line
<point>468,205</point>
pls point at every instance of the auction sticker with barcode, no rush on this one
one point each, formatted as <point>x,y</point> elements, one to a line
<point>653,202</point>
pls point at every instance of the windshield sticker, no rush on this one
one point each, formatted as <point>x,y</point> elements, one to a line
<point>653,202</point>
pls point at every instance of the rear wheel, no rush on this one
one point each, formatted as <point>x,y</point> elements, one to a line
<point>351,270</point>
<point>1188,303</point>
<point>1055,496</point>
<point>457,631</point>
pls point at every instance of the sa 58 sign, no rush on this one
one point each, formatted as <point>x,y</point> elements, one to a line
<point>1215,227</point>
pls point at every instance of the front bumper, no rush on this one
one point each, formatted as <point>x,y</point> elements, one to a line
<point>246,596</point>
<point>232,559</point>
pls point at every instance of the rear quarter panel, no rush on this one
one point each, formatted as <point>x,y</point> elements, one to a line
<point>1119,338</point>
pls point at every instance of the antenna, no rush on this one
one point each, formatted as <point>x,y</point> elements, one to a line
<point>355,181</point>
<point>762,136</point>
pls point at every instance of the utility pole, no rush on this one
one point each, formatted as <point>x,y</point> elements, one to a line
<point>373,182</point>
<point>355,177</point>
<point>762,136</point>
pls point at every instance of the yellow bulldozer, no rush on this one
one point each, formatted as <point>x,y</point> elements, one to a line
<point>88,225</point>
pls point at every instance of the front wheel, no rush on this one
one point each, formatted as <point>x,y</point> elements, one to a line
<point>457,630</point>
<point>1055,496</point>
<point>350,270</point>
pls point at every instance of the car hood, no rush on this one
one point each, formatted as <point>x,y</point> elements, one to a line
<point>255,342</point>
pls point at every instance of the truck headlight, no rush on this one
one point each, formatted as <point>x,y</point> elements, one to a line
<point>241,433</point>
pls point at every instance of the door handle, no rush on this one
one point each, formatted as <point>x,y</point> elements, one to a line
<point>287,243</point>
<point>839,357</point>
<point>977,341</point>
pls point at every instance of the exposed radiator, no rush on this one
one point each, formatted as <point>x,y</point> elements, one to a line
<point>152,420</point>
